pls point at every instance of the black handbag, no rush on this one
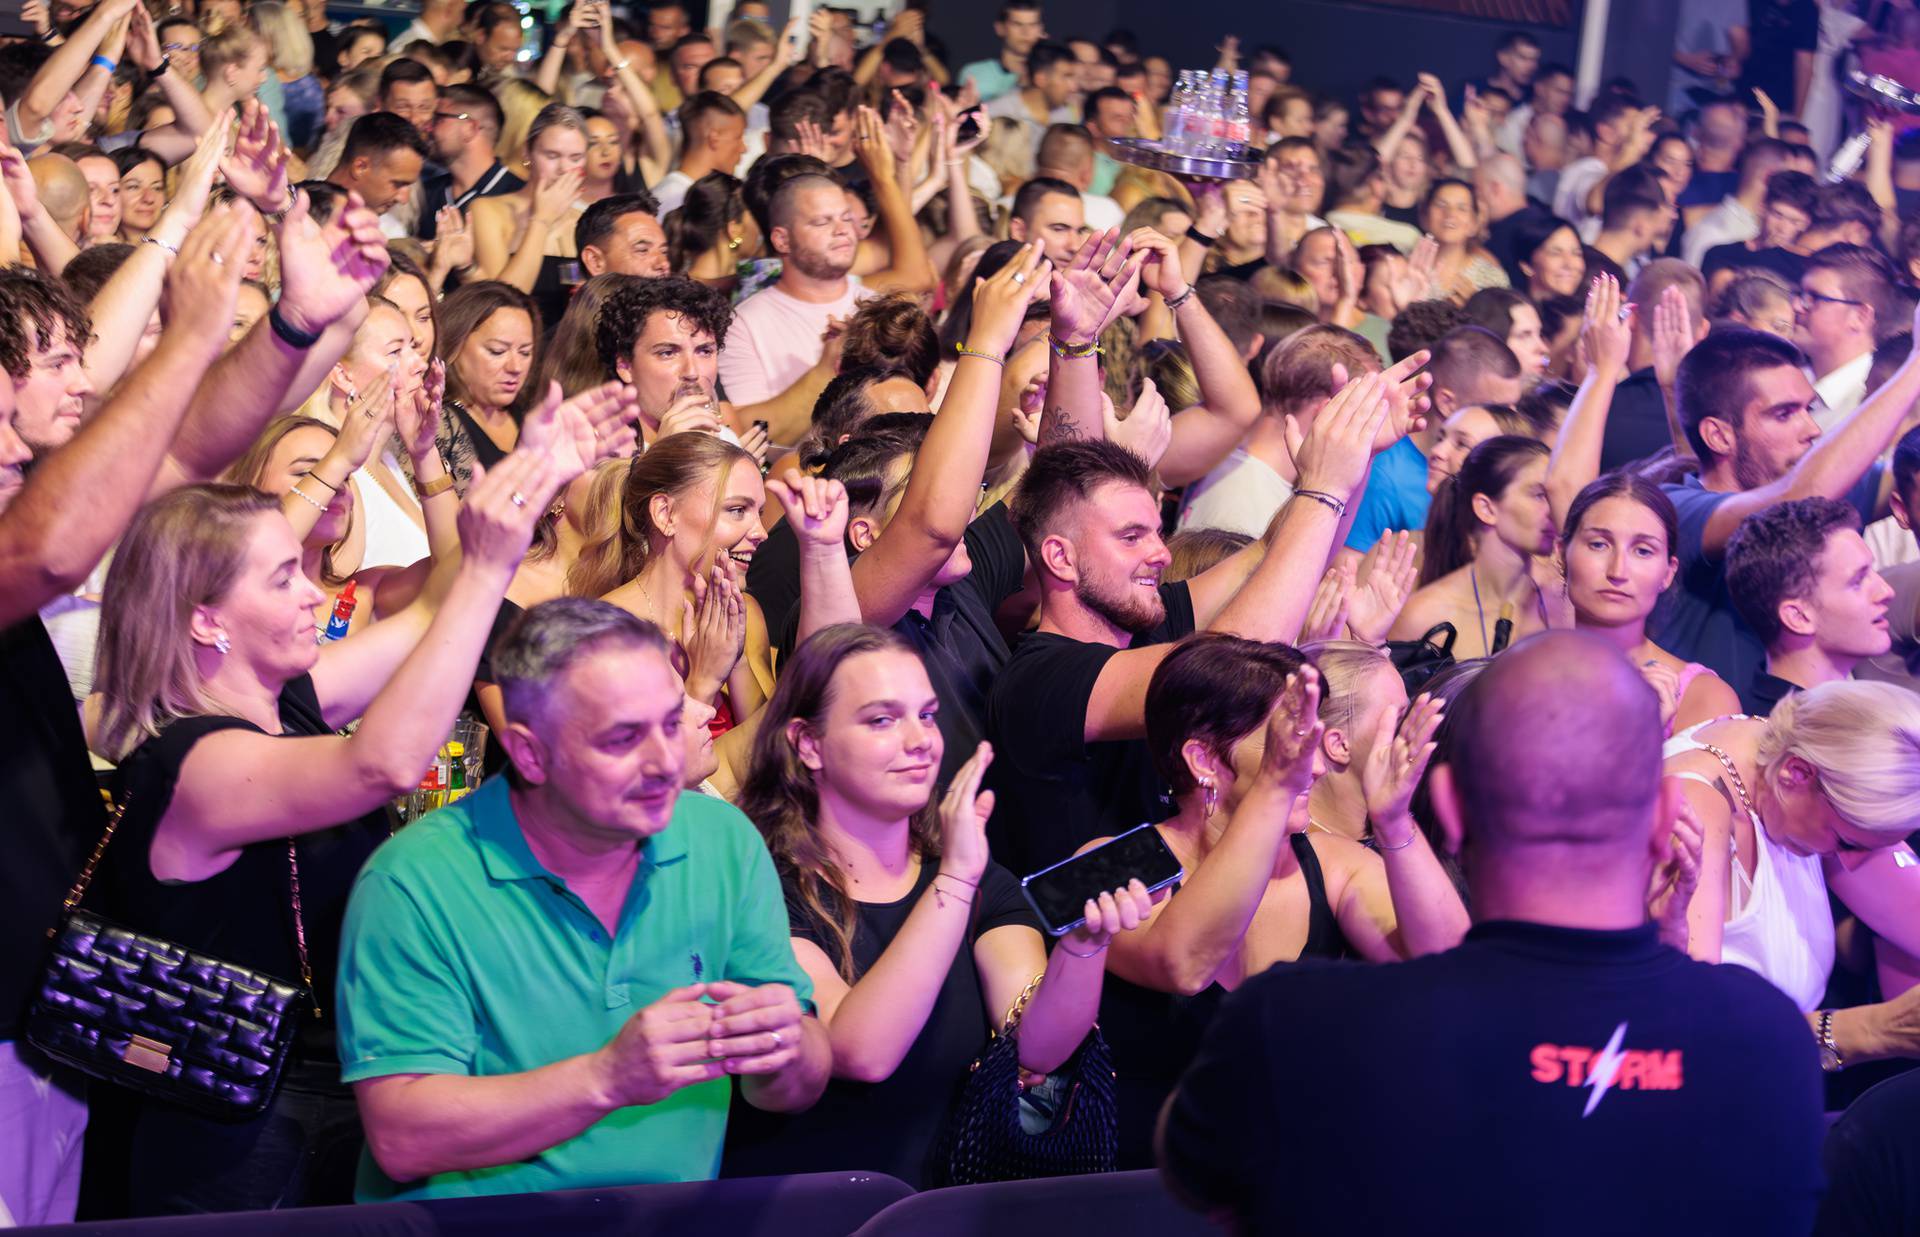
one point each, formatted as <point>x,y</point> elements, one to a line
<point>1418,661</point>
<point>163,1020</point>
<point>1067,1126</point>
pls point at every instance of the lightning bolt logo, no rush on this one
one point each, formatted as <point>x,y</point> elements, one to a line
<point>1606,1067</point>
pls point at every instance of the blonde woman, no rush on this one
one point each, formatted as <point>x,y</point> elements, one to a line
<point>290,55</point>
<point>525,238</point>
<point>521,102</point>
<point>1818,797</point>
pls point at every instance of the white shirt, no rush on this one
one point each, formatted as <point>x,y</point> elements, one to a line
<point>415,33</point>
<point>1723,225</point>
<point>1240,495</point>
<point>775,338</point>
<point>1101,212</point>
<point>1841,391</point>
<point>671,191</point>
<point>1577,180</point>
<point>393,539</point>
<point>1891,544</point>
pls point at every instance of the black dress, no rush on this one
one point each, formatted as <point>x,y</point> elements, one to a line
<point>1153,1035</point>
<point>304,1148</point>
<point>892,1126</point>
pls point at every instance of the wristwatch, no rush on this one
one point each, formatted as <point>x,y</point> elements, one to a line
<point>1829,1053</point>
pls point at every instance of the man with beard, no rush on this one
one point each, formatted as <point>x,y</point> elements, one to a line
<point>662,336</point>
<point>777,358</point>
<point>1747,408</point>
<point>1067,716</point>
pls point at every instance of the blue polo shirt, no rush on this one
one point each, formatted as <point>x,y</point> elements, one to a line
<point>1396,497</point>
<point>463,955</point>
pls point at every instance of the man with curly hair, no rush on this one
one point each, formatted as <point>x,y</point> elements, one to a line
<point>663,336</point>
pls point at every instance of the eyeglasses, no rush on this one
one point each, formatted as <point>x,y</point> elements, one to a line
<point>1803,295</point>
<point>171,48</point>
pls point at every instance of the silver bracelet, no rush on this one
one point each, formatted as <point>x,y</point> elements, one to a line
<point>1174,303</point>
<point>1095,954</point>
<point>1379,845</point>
<point>172,249</point>
<point>315,503</point>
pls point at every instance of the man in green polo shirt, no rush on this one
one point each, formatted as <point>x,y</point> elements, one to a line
<point>1018,27</point>
<point>548,984</point>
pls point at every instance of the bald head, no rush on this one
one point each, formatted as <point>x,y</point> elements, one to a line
<point>1500,182</point>
<point>1528,764</point>
<point>62,187</point>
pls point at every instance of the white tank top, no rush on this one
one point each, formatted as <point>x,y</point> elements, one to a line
<point>393,539</point>
<point>1779,923</point>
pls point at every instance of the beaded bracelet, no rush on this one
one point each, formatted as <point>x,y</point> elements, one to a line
<point>1072,352</point>
<point>963,350</point>
<point>1174,303</point>
<point>1321,496</point>
<point>315,503</point>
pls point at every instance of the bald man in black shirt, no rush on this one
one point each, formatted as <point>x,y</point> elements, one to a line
<point>1562,1071</point>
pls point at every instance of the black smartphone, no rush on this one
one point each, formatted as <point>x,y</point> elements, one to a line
<point>1059,894</point>
<point>969,126</point>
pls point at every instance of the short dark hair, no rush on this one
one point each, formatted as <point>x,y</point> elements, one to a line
<point>1106,94</point>
<point>597,222</point>
<point>705,107</point>
<point>1865,275</point>
<point>780,204</point>
<point>92,267</point>
<point>1470,350</point>
<point>718,62</point>
<point>1046,54</point>
<point>864,462</point>
<point>324,200</point>
<point>1906,463</point>
<point>1635,191</point>
<point>1012,6</point>
<point>404,72</point>
<point>1843,203</point>
<point>766,176</point>
<point>32,307</point>
<point>1062,474</point>
<point>1027,200</point>
<point>1762,149</point>
<point>1348,169</point>
<point>1215,688</point>
<point>790,110</point>
<point>1062,143</point>
<point>1796,189</point>
<point>378,134</point>
<point>842,407</point>
<point>1715,378</point>
<point>494,13</point>
<point>476,101</point>
<point>1422,324</point>
<point>1775,554</point>
<point>1493,308</point>
<point>1234,306</point>
<point>624,317</point>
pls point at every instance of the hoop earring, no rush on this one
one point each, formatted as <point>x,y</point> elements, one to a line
<point>1209,796</point>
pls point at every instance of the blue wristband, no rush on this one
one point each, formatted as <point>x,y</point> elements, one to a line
<point>104,63</point>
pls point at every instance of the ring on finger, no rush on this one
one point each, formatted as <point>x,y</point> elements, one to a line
<point>777,1041</point>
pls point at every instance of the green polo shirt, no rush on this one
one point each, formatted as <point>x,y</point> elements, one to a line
<point>991,77</point>
<point>463,955</point>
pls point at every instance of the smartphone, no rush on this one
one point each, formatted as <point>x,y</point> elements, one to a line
<point>1059,894</point>
<point>969,126</point>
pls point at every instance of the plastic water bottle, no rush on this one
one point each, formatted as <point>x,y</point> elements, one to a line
<point>1179,111</point>
<point>1219,88</point>
<point>1239,119</point>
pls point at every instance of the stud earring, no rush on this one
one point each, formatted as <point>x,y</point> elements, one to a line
<point>221,644</point>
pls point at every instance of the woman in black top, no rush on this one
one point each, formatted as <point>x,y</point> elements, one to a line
<point>1233,726</point>
<point>917,944</point>
<point>248,814</point>
<point>490,343</point>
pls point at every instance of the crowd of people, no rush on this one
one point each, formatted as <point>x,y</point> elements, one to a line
<point>833,484</point>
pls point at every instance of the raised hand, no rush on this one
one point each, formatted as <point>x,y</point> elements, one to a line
<point>563,429</point>
<point>1416,283</point>
<point>1209,207</point>
<point>1406,382</point>
<point>816,508</point>
<point>812,139</point>
<point>553,198</point>
<point>417,419</point>
<point>203,284</point>
<point>1334,455</point>
<point>1160,268</point>
<point>1027,409</point>
<point>503,504</point>
<point>902,128</point>
<point>1676,876</point>
<point>1394,768</point>
<point>713,630</point>
<point>870,145</point>
<point>1293,735</point>
<point>257,169</point>
<point>1349,271</point>
<point>756,442</point>
<point>692,411</point>
<point>963,819</point>
<point>1327,616</point>
<point>1000,303</point>
<point>326,272</point>
<point>1375,604</point>
<point>453,240</point>
<point>195,183</point>
<point>1672,335</point>
<point>1087,294</point>
<point>143,41</point>
<point>1607,329</point>
<point>1147,430</point>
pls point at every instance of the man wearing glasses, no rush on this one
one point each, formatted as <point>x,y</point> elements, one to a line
<point>466,123</point>
<point>1841,305</point>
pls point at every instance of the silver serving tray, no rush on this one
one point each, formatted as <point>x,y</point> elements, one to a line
<point>1142,153</point>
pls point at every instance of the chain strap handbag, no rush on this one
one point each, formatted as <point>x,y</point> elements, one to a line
<point>1069,1125</point>
<point>161,1019</point>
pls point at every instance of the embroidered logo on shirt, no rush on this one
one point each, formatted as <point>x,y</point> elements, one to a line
<point>1606,1069</point>
<point>699,967</point>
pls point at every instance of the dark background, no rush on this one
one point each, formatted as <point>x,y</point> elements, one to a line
<point>1336,46</point>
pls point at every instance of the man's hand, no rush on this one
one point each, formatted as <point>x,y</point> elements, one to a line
<point>816,510</point>
<point>1160,269</point>
<point>1672,335</point>
<point>692,411</point>
<point>1084,297</point>
<point>902,128</point>
<point>143,41</point>
<point>1407,402</point>
<point>326,272</point>
<point>870,146</point>
<point>1607,330</point>
<point>755,1030</point>
<point>257,169</point>
<point>1334,455</point>
<point>1676,877</point>
<point>195,182</point>
<point>812,139</point>
<point>660,1050</point>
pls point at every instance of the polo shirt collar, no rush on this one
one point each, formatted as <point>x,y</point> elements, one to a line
<point>504,852</point>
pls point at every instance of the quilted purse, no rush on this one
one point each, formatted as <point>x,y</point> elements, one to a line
<point>161,1019</point>
<point>1067,1126</point>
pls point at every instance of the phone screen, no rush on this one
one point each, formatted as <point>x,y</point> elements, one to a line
<point>1059,894</point>
<point>969,126</point>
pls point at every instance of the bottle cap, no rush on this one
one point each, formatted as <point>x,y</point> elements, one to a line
<point>455,749</point>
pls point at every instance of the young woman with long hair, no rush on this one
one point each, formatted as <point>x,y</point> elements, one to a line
<point>917,943</point>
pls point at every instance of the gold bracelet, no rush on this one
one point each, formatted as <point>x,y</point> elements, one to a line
<point>963,350</point>
<point>439,485</point>
<point>1072,352</point>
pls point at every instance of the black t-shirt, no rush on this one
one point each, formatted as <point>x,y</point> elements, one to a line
<point>1636,423</point>
<point>890,1126</point>
<point>773,578</point>
<point>1155,1035</point>
<point>1409,215</point>
<point>1735,255</point>
<point>437,185</point>
<point>1873,1164</point>
<point>1054,791</point>
<point>960,644</point>
<point>1777,30</point>
<point>244,914</point>
<point>1534,1080</point>
<point>54,813</point>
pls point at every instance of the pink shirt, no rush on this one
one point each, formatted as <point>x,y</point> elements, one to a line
<point>775,338</point>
